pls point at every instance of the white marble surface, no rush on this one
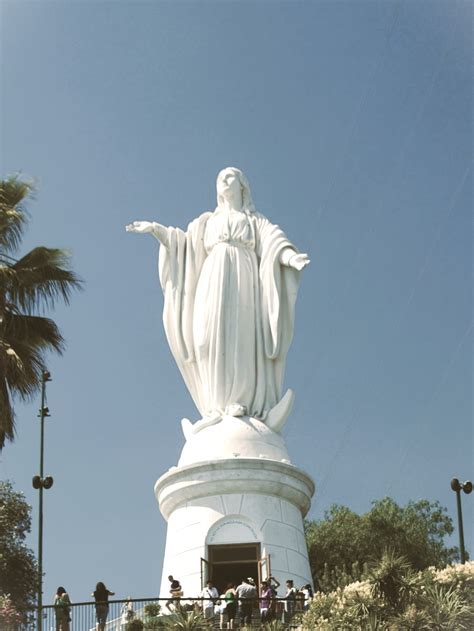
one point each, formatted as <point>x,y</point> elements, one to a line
<point>231,437</point>
<point>230,283</point>
<point>234,501</point>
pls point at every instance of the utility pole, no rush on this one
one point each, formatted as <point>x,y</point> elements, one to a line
<point>40,483</point>
<point>467,488</point>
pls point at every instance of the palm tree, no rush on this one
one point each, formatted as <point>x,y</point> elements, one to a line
<point>27,285</point>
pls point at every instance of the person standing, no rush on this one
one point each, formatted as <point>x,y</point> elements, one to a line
<point>247,594</point>
<point>209,595</point>
<point>230,599</point>
<point>273,584</point>
<point>266,595</point>
<point>101,597</point>
<point>307,592</point>
<point>62,609</point>
<point>290,601</point>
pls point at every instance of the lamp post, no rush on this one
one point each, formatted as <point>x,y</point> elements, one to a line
<point>467,488</point>
<point>40,483</point>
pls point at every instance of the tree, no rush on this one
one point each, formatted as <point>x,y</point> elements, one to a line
<point>9,616</point>
<point>343,543</point>
<point>27,285</point>
<point>18,567</point>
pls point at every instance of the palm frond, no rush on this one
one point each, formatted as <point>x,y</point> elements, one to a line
<point>25,342</point>
<point>13,191</point>
<point>22,371</point>
<point>41,277</point>
<point>31,331</point>
<point>7,276</point>
<point>7,416</point>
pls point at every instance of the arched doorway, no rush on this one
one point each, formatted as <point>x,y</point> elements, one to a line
<point>230,563</point>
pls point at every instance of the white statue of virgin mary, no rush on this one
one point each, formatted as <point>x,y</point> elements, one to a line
<point>230,283</point>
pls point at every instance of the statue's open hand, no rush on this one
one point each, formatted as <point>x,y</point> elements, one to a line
<point>140,226</point>
<point>299,261</point>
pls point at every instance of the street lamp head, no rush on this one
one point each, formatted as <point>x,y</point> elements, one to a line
<point>46,375</point>
<point>48,482</point>
<point>467,487</point>
<point>455,485</point>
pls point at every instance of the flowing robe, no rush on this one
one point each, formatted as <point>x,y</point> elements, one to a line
<point>229,309</point>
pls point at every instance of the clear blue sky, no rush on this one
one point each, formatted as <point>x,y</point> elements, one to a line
<point>352,122</point>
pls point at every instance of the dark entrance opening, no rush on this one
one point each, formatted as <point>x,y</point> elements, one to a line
<point>232,563</point>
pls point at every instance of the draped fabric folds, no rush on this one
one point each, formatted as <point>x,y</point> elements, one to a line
<point>229,309</point>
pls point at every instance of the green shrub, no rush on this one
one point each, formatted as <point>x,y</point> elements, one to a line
<point>152,610</point>
<point>185,621</point>
<point>392,579</point>
<point>397,599</point>
<point>275,625</point>
<point>134,625</point>
<point>8,614</point>
<point>460,576</point>
<point>412,618</point>
<point>446,608</point>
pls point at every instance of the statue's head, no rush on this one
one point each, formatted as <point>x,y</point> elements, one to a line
<point>225,181</point>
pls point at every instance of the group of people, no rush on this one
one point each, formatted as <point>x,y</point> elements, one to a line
<point>227,604</point>
<point>235,599</point>
<point>243,598</point>
<point>268,603</point>
<point>62,607</point>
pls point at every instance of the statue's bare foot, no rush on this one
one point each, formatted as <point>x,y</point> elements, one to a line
<point>235,409</point>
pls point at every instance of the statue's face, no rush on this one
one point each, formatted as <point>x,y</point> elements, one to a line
<point>228,184</point>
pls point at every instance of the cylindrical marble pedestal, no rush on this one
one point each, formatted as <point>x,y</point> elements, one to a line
<point>239,500</point>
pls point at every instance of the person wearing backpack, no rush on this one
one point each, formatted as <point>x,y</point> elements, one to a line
<point>62,609</point>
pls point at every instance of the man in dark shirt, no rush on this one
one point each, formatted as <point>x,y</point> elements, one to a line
<point>176,592</point>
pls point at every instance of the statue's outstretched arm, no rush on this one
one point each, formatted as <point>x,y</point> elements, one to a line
<point>297,260</point>
<point>156,229</point>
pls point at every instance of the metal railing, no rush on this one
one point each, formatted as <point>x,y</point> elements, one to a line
<point>82,616</point>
